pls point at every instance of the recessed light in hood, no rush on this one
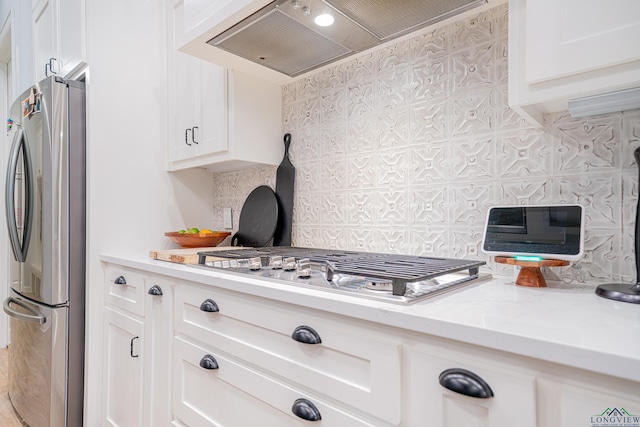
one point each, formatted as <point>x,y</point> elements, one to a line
<point>283,36</point>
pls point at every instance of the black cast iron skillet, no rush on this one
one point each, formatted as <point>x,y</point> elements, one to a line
<point>258,218</point>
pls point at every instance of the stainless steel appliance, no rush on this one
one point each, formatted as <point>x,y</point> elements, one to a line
<point>45,206</point>
<point>289,36</point>
<point>392,278</point>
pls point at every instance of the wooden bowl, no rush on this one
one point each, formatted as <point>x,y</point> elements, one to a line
<point>197,240</point>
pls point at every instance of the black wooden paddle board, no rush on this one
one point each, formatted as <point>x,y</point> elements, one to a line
<point>285,179</point>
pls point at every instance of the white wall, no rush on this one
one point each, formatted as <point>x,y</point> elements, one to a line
<point>132,200</point>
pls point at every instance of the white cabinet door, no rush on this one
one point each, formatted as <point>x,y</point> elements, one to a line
<point>431,404</point>
<point>568,37</point>
<point>59,37</point>
<point>566,49</point>
<point>197,100</point>
<point>43,37</point>
<point>71,29</point>
<point>122,370</point>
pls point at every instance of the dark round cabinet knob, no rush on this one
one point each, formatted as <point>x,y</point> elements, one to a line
<point>306,335</point>
<point>155,290</point>
<point>465,382</point>
<point>306,410</point>
<point>120,280</point>
<point>209,306</point>
<point>208,362</point>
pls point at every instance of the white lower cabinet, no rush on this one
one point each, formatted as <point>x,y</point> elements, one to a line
<point>211,389</point>
<point>205,355</point>
<point>122,369</point>
<point>452,390</point>
<point>136,337</point>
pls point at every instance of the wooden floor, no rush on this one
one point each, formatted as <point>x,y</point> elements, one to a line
<point>8,417</point>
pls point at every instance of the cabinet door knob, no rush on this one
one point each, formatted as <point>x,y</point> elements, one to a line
<point>193,134</point>
<point>186,137</point>
<point>465,382</point>
<point>208,362</point>
<point>120,280</point>
<point>209,306</point>
<point>155,290</point>
<point>306,335</point>
<point>306,410</point>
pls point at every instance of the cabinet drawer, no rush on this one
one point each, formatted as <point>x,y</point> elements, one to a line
<point>125,290</point>
<point>235,395</point>
<point>351,364</point>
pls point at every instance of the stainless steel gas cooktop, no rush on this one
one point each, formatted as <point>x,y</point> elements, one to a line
<point>392,278</point>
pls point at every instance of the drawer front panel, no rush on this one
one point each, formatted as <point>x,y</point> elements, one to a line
<point>351,365</point>
<point>234,395</point>
<point>125,290</point>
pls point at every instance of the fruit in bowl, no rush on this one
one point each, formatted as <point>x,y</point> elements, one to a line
<point>195,238</point>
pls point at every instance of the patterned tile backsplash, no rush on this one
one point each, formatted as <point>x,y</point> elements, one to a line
<point>404,149</point>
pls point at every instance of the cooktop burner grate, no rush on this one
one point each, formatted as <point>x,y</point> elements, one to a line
<point>399,269</point>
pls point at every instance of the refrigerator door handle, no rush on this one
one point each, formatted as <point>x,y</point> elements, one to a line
<point>18,146</point>
<point>35,318</point>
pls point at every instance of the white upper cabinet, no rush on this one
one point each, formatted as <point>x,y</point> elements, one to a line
<point>561,50</point>
<point>218,118</point>
<point>59,37</point>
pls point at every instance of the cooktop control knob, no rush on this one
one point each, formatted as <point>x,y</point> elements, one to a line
<point>275,262</point>
<point>289,264</point>
<point>303,269</point>
<point>255,263</point>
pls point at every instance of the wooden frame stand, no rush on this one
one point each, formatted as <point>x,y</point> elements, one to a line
<point>530,274</point>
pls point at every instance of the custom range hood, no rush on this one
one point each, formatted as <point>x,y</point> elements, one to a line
<point>285,36</point>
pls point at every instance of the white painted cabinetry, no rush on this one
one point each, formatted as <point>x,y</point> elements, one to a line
<point>560,50</point>
<point>445,389</point>
<point>208,355</point>
<point>218,118</point>
<point>135,324</point>
<point>59,37</point>
<point>270,355</point>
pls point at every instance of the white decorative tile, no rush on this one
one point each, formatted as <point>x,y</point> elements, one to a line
<point>469,203</point>
<point>333,79</point>
<point>393,240</point>
<point>392,168</point>
<point>289,117</point>
<point>361,171</point>
<point>473,69</point>
<point>532,191</point>
<point>360,100</point>
<point>430,241</point>
<point>333,140</point>
<point>362,68</point>
<point>308,87</point>
<point>601,261</point>
<point>305,145</point>
<point>334,174</point>
<point>429,79</point>
<point>429,46</point>
<point>506,117</point>
<point>428,163</point>
<point>429,205</point>
<point>307,177</point>
<point>428,121</point>
<point>393,58</point>
<point>334,208</point>
<point>473,159</point>
<point>473,31</point>
<point>502,61</point>
<point>307,208</point>
<point>587,144</point>
<point>393,208</point>
<point>471,113</point>
<point>360,239</point>
<point>289,93</point>
<point>600,194</point>
<point>393,129</point>
<point>309,112</point>
<point>392,89</point>
<point>466,243</point>
<point>362,135</point>
<point>334,106</point>
<point>523,154</point>
<point>332,237</point>
<point>361,207</point>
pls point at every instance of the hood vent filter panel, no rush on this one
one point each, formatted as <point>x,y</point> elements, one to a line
<point>391,18</point>
<point>282,44</point>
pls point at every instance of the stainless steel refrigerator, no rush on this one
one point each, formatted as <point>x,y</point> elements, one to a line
<point>46,218</point>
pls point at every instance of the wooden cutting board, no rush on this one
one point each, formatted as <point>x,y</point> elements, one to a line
<point>186,255</point>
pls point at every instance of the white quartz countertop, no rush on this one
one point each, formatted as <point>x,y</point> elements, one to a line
<point>566,324</point>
